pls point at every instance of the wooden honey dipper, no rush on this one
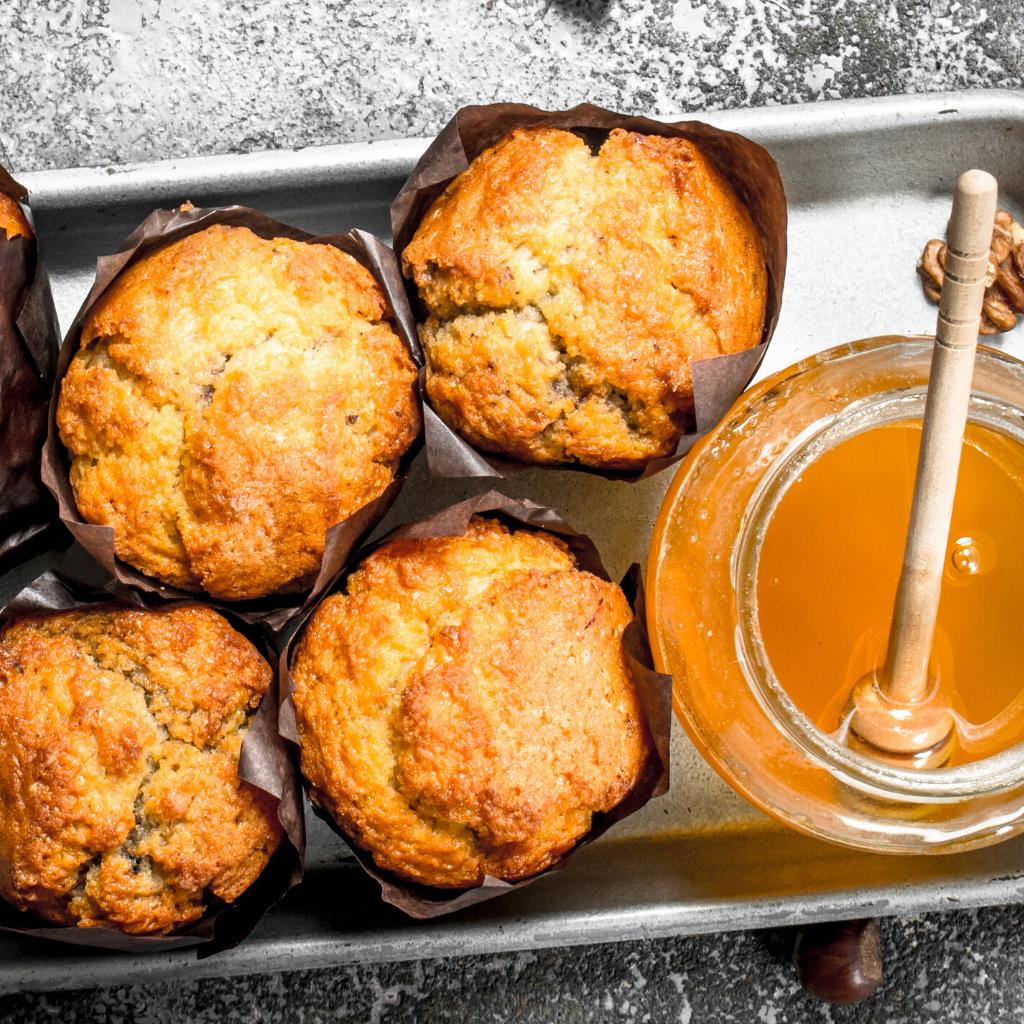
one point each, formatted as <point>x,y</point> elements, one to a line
<point>897,714</point>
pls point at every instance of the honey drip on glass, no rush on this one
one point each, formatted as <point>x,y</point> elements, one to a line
<point>830,562</point>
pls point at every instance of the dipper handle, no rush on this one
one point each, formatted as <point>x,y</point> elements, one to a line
<point>905,676</point>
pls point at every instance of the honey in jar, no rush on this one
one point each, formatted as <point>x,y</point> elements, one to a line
<point>830,562</point>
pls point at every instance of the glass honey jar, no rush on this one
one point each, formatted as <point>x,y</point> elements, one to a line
<point>771,576</point>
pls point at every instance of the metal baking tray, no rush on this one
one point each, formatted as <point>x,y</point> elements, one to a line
<point>868,182</point>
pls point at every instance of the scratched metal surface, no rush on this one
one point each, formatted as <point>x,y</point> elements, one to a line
<point>868,182</point>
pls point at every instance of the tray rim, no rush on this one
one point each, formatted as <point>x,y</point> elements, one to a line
<point>391,160</point>
<point>346,162</point>
<point>415,940</point>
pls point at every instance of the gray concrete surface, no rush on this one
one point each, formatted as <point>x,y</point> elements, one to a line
<point>957,967</point>
<point>95,82</point>
<point>114,81</point>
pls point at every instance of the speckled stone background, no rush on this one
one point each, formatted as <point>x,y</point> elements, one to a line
<point>114,81</point>
<point>956,967</point>
<point>94,82</point>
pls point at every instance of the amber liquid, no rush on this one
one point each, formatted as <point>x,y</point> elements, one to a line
<point>831,560</point>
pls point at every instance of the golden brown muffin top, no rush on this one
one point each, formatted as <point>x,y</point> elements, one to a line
<point>569,293</point>
<point>232,398</point>
<point>120,733</point>
<point>466,706</point>
<point>12,220</point>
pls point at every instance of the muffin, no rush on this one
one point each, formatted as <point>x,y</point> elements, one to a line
<point>567,294</point>
<point>120,732</point>
<point>12,220</point>
<point>29,337</point>
<point>232,398</point>
<point>465,708</point>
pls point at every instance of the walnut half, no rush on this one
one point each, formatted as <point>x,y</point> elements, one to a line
<point>1004,282</point>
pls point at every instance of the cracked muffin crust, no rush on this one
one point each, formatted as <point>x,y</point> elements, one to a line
<point>231,399</point>
<point>466,706</point>
<point>12,221</point>
<point>568,293</point>
<point>120,732</point>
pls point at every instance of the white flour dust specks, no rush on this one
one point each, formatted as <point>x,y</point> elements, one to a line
<point>114,81</point>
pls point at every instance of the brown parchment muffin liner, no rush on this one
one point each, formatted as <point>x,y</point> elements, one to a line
<point>266,762</point>
<point>717,382</point>
<point>29,339</point>
<point>653,688</point>
<point>161,228</point>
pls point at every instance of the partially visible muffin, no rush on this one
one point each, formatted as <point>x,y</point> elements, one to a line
<point>12,220</point>
<point>232,398</point>
<point>568,294</point>
<point>120,732</point>
<point>465,708</point>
